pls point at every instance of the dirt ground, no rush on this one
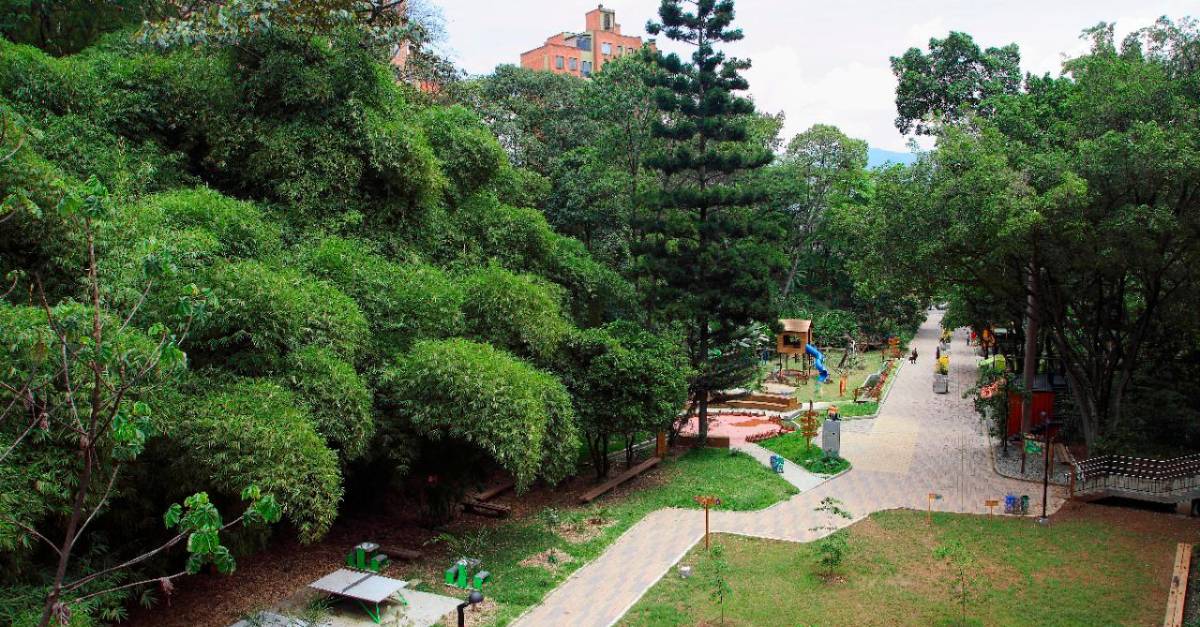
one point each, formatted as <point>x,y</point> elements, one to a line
<point>286,567</point>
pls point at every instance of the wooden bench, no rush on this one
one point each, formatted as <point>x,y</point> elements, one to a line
<point>599,490</point>
<point>486,509</point>
<point>401,553</point>
<point>494,491</point>
<point>872,386</point>
<point>1179,583</point>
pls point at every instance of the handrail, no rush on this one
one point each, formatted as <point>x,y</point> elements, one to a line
<point>1180,475</point>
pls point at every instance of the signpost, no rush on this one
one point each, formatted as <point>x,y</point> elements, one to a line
<point>933,496</point>
<point>707,502</point>
<point>991,505</point>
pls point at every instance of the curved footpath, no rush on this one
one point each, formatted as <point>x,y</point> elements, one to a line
<point>921,443</point>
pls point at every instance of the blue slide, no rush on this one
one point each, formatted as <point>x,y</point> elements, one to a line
<point>818,362</point>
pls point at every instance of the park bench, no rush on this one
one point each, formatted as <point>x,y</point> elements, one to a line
<point>872,386</point>
<point>494,491</point>
<point>486,509</point>
<point>599,490</point>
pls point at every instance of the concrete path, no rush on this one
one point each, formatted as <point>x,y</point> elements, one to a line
<point>792,473</point>
<point>921,443</point>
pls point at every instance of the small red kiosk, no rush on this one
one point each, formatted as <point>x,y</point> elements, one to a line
<point>1043,406</point>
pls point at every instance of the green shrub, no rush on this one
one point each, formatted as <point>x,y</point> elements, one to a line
<point>337,398</point>
<point>519,416</point>
<point>467,151</point>
<point>266,312</point>
<point>256,432</point>
<point>402,302</point>
<point>518,312</point>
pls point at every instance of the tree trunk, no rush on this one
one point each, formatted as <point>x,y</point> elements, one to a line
<point>1030,366</point>
<point>791,275</point>
<point>702,390</point>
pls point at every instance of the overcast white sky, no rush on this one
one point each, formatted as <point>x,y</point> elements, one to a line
<point>818,61</point>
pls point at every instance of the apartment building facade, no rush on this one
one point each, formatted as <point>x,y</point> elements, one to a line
<point>582,53</point>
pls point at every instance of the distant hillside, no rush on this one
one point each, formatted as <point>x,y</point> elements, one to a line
<point>878,156</point>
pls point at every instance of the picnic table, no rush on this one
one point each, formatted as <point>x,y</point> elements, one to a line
<point>368,589</point>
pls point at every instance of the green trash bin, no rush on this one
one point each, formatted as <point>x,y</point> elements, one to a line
<point>450,574</point>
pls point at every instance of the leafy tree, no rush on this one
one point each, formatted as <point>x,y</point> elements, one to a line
<point>231,22</point>
<point>1099,204</point>
<point>704,248</point>
<point>821,168</point>
<point>483,397</point>
<point>535,115</point>
<point>624,381</point>
<point>75,413</point>
<point>954,79</point>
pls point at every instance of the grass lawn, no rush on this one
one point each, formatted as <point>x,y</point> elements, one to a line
<point>809,456</point>
<point>742,482</point>
<point>901,571</point>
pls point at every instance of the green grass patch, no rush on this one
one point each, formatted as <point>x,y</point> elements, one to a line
<point>901,571</point>
<point>808,456</point>
<point>740,481</point>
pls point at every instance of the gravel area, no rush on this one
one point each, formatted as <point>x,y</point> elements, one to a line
<point>1010,466</point>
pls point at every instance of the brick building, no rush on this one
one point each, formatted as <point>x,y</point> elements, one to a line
<point>585,52</point>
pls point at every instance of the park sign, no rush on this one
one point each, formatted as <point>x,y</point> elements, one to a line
<point>1032,447</point>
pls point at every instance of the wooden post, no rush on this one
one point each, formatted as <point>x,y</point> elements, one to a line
<point>991,505</point>
<point>706,501</point>
<point>660,445</point>
<point>933,496</point>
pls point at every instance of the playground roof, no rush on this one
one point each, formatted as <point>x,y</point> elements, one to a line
<point>795,325</point>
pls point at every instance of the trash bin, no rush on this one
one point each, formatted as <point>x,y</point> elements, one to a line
<point>1024,504</point>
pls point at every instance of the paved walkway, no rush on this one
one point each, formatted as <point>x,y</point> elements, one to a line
<point>792,473</point>
<point>921,442</point>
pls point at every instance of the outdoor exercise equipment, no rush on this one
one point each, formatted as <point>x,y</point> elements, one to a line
<point>358,558</point>
<point>459,575</point>
<point>818,362</point>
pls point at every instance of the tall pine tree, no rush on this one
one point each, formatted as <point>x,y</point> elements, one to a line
<point>707,248</point>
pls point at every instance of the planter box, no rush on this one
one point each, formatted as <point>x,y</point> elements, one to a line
<point>941,384</point>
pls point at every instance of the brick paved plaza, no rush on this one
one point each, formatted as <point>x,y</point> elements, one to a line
<point>921,442</point>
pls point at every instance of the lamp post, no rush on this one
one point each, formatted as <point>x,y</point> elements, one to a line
<point>473,598</point>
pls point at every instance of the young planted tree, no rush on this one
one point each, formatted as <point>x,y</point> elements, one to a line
<point>75,411</point>
<point>707,253</point>
<point>718,572</point>
<point>832,549</point>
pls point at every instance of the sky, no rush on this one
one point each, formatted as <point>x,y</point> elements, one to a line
<point>817,62</point>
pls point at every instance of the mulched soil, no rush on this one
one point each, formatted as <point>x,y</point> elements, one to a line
<point>285,567</point>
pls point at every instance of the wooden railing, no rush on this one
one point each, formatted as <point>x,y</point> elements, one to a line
<point>1138,476</point>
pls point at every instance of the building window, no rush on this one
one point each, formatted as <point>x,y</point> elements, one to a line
<point>574,64</point>
<point>620,50</point>
<point>558,62</point>
<point>584,42</point>
<point>587,68</point>
<point>606,48</point>
<point>608,21</point>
